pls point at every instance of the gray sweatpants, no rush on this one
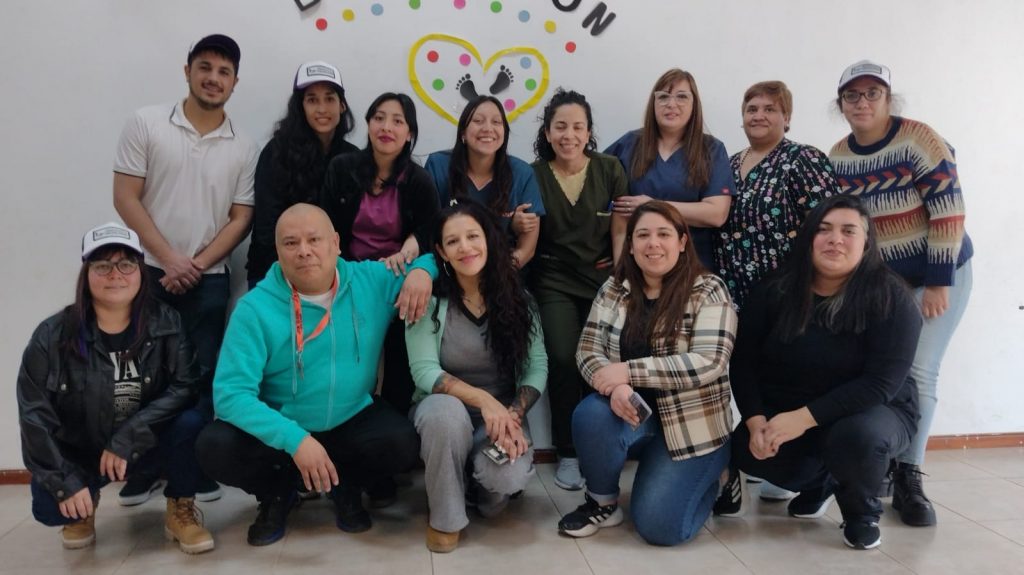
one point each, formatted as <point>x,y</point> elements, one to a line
<point>447,439</point>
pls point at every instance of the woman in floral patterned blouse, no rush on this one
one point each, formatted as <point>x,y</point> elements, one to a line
<point>777,182</point>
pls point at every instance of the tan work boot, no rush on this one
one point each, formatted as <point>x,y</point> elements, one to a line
<point>80,534</point>
<point>441,541</point>
<point>183,524</point>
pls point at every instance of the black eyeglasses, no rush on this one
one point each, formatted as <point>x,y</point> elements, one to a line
<point>105,267</point>
<point>854,96</point>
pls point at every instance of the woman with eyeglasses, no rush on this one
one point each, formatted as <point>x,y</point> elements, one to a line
<point>106,389</point>
<point>671,159</point>
<point>905,173</point>
<point>479,167</point>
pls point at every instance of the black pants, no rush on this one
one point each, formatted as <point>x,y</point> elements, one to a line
<point>397,388</point>
<point>850,455</point>
<point>375,443</point>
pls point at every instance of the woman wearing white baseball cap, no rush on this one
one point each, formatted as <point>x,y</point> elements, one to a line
<point>106,388</point>
<point>292,165</point>
<point>905,174</point>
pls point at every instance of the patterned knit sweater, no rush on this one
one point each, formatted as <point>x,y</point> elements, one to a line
<point>908,182</point>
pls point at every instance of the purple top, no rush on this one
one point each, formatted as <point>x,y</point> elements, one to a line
<point>377,230</point>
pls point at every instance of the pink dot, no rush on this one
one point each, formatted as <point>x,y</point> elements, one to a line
<point>510,105</point>
<point>459,4</point>
<point>464,59</point>
<point>570,47</point>
<point>321,23</point>
<point>432,56</point>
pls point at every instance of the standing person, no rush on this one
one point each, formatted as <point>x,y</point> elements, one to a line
<point>662,327</point>
<point>671,159</point>
<point>183,179</point>
<point>294,387</point>
<point>479,167</point>
<point>106,387</point>
<point>479,368</point>
<point>382,204</point>
<point>580,240</point>
<point>778,182</point>
<point>292,165</point>
<point>820,372</point>
<point>906,175</point>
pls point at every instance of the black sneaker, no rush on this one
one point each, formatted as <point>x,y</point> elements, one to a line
<point>590,517</point>
<point>349,514</point>
<point>908,496</point>
<point>861,534</point>
<point>271,520</point>
<point>813,503</point>
<point>734,494</point>
<point>138,489</point>
<point>383,493</point>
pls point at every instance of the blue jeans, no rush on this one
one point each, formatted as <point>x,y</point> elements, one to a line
<point>935,336</point>
<point>175,450</point>
<point>670,500</point>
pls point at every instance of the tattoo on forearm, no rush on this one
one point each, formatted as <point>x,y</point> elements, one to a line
<point>526,396</point>
<point>444,383</point>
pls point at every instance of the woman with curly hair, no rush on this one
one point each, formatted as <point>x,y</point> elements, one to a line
<point>292,165</point>
<point>479,367</point>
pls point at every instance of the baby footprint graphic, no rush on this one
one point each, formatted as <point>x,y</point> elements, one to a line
<point>503,81</point>
<point>466,87</point>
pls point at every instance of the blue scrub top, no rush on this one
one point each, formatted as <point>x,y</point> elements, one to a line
<point>667,180</point>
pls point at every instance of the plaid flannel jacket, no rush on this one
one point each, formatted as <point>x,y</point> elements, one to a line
<point>691,377</point>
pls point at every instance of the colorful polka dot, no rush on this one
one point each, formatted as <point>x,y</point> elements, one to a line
<point>495,7</point>
<point>414,4</point>
<point>549,26</point>
<point>438,84</point>
<point>348,15</point>
<point>432,56</point>
<point>321,23</point>
<point>524,16</point>
<point>376,9</point>
<point>459,4</point>
<point>570,47</point>
<point>525,62</point>
<point>531,84</point>
<point>510,105</point>
<point>465,59</point>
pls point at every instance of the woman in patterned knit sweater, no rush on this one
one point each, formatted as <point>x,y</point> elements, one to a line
<point>906,175</point>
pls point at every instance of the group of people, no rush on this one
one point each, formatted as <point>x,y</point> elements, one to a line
<point>400,313</point>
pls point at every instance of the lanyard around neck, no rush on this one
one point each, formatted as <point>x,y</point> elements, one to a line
<point>300,339</point>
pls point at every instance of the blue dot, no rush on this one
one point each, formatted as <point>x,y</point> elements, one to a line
<point>377,9</point>
<point>524,16</point>
<point>525,62</point>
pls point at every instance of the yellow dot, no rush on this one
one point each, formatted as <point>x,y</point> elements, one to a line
<point>348,15</point>
<point>549,26</point>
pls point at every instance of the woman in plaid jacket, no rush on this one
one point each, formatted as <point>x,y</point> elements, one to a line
<point>660,333</point>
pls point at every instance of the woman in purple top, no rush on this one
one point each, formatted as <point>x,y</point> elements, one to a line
<point>671,158</point>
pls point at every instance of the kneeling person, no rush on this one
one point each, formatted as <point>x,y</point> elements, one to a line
<point>293,386</point>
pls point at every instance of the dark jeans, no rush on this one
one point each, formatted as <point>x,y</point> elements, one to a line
<point>203,311</point>
<point>375,443</point>
<point>850,455</point>
<point>175,452</point>
<point>397,387</point>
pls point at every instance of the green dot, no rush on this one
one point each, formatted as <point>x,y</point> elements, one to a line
<point>531,84</point>
<point>414,4</point>
<point>495,7</point>
<point>438,84</point>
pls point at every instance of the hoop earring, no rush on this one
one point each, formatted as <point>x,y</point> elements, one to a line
<point>444,266</point>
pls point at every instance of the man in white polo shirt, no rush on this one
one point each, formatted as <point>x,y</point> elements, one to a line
<point>183,179</point>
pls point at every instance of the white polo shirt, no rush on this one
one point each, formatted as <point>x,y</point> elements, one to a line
<point>191,180</point>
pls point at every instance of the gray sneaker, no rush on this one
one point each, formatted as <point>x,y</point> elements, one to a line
<point>568,476</point>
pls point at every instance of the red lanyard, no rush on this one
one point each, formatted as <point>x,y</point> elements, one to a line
<point>300,339</point>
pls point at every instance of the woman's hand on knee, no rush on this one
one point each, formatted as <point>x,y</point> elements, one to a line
<point>621,406</point>
<point>78,506</point>
<point>498,420</point>
<point>112,466</point>
<point>788,426</point>
<point>609,377</point>
<point>514,444</point>
<point>759,445</point>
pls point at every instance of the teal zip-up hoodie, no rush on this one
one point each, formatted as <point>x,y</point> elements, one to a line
<point>258,386</point>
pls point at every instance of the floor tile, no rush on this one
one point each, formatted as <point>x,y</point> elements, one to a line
<point>1001,462</point>
<point>980,499</point>
<point>1012,529</point>
<point>941,466</point>
<point>954,549</point>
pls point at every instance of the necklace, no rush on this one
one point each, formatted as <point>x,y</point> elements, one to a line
<point>476,309</point>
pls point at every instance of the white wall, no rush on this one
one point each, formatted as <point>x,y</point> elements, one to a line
<point>71,72</point>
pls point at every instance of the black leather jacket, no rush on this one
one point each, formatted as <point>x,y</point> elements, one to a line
<point>66,405</point>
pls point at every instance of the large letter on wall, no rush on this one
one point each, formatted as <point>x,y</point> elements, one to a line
<point>596,17</point>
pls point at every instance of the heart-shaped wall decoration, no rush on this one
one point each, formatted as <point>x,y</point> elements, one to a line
<point>446,71</point>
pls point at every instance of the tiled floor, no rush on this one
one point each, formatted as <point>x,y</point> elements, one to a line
<point>979,495</point>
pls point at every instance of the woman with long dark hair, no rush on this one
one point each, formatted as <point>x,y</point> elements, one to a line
<point>479,367</point>
<point>106,389</point>
<point>479,167</point>
<point>906,175</point>
<point>671,159</point>
<point>659,335</point>
<point>292,165</point>
<point>578,239</point>
<point>820,372</point>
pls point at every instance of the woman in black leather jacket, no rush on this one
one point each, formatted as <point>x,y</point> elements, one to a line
<point>104,385</point>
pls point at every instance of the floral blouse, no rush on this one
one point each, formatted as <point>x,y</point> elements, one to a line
<point>767,211</point>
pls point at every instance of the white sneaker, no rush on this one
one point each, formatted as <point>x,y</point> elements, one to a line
<point>567,476</point>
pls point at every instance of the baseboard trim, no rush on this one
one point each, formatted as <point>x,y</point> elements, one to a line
<point>550,455</point>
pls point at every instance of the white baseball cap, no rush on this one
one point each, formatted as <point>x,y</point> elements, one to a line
<point>865,68</point>
<point>317,71</point>
<point>109,234</point>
